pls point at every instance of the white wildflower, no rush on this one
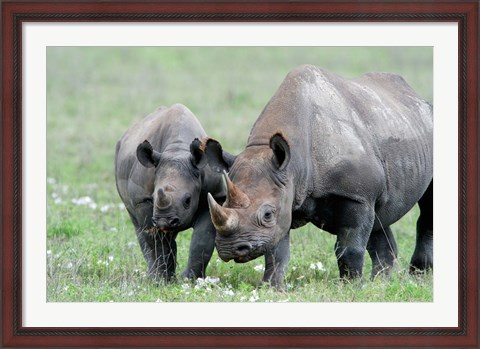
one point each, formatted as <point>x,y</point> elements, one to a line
<point>254,296</point>
<point>114,230</point>
<point>158,300</point>
<point>229,293</point>
<point>211,280</point>
<point>320,266</point>
<point>110,258</point>
<point>51,180</point>
<point>56,199</point>
<point>85,201</point>
<point>130,293</point>
<point>186,288</point>
<point>49,252</point>
<point>65,288</point>
<point>260,268</point>
<point>242,298</point>
<point>200,283</point>
<point>317,266</point>
<point>69,265</point>
<point>100,262</point>
<point>131,244</point>
<point>104,208</point>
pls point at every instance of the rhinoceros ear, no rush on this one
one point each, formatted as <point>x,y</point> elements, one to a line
<point>281,151</point>
<point>199,159</point>
<point>146,155</point>
<point>218,160</point>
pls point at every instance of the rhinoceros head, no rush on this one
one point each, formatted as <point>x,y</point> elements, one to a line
<point>177,184</point>
<point>256,214</point>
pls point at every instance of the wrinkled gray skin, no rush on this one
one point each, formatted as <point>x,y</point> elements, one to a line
<point>350,156</point>
<point>163,181</point>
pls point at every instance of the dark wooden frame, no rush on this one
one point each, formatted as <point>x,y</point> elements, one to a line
<point>14,13</point>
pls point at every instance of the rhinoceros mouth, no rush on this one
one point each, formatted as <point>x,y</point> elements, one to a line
<point>155,231</point>
<point>239,251</point>
<point>245,259</point>
<point>228,255</point>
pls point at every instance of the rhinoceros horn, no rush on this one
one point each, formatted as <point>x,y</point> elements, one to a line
<point>164,200</point>
<point>235,197</point>
<point>224,219</point>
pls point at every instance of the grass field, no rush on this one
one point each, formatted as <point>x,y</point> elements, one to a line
<point>95,94</point>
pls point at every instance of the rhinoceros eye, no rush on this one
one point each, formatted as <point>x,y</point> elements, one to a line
<point>266,215</point>
<point>187,201</point>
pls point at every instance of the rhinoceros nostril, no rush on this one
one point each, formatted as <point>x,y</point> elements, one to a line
<point>174,222</point>
<point>243,249</point>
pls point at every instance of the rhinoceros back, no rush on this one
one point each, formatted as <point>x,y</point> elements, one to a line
<point>402,131</point>
<point>370,136</point>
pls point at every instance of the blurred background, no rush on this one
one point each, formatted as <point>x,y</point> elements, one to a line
<point>95,93</point>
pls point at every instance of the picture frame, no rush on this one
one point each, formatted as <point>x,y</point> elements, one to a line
<point>15,13</point>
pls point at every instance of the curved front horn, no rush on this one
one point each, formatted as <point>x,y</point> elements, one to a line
<point>235,197</point>
<point>163,200</point>
<point>224,219</point>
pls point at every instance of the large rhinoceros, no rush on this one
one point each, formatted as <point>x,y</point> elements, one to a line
<point>352,156</point>
<point>162,177</point>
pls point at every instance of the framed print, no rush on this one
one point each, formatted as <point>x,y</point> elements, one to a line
<point>77,75</point>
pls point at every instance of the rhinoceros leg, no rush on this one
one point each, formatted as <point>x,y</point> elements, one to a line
<point>159,250</point>
<point>382,249</point>
<point>354,222</point>
<point>422,258</point>
<point>276,261</point>
<point>162,250</point>
<point>201,247</point>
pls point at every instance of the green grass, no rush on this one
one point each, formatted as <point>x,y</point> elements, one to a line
<point>95,94</point>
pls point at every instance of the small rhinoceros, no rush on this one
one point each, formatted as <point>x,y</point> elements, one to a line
<point>350,156</point>
<point>163,180</point>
